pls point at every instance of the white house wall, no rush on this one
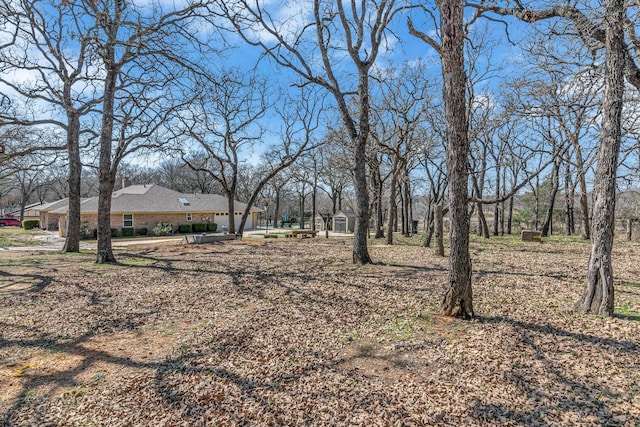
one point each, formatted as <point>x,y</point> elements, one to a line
<point>223,221</point>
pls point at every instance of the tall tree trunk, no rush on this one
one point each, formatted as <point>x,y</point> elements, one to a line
<point>510,216</point>
<point>393,205</point>
<point>105,191</point>
<point>439,229</point>
<point>555,183</point>
<point>504,191</point>
<point>231,211</point>
<point>314,196</point>
<point>458,300</point>
<point>568,200</point>
<point>231,197</point>
<point>276,213</point>
<point>496,208</point>
<point>376,184</point>
<point>598,295</point>
<point>584,203</point>
<point>429,225</point>
<point>360,251</point>
<point>403,211</point>
<point>301,216</point>
<point>379,217</point>
<point>106,180</point>
<point>408,225</point>
<point>72,240</point>
<point>483,228</point>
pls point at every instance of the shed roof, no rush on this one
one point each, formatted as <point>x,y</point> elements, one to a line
<point>346,212</point>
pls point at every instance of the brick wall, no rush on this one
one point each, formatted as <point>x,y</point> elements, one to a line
<point>149,221</point>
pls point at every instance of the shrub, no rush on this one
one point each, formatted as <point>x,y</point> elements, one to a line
<point>28,224</point>
<point>85,231</point>
<point>142,231</point>
<point>127,232</point>
<point>198,228</point>
<point>162,229</point>
<point>114,232</point>
<point>184,228</point>
<point>212,226</point>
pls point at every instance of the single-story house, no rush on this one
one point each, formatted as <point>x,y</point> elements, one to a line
<point>145,206</point>
<point>30,212</point>
<point>344,221</point>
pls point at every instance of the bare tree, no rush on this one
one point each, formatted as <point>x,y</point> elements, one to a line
<point>335,28</point>
<point>136,47</point>
<point>398,114</point>
<point>605,30</point>
<point>225,122</point>
<point>299,122</point>
<point>458,301</point>
<point>53,45</point>
<point>598,295</point>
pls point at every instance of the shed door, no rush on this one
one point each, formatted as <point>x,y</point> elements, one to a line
<point>340,225</point>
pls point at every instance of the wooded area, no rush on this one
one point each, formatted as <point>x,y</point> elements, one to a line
<point>500,116</point>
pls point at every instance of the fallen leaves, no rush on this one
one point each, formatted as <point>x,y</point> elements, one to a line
<point>290,333</point>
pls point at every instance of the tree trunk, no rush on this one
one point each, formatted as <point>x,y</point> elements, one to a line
<point>429,225</point>
<point>439,230</point>
<point>496,208</point>
<point>504,191</point>
<point>105,191</point>
<point>231,212</point>
<point>314,196</point>
<point>276,213</point>
<point>458,300</point>
<point>584,202</point>
<point>72,240</point>
<point>629,229</point>
<point>510,216</point>
<point>555,183</point>
<point>377,189</point>
<point>403,211</point>
<point>568,200</point>
<point>301,216</point>
<point>393,207</point>
<point>106,180</point>
<point>408,223</point>
<point>379,218</point>
<point>483,228</point>
<point>598,295</point>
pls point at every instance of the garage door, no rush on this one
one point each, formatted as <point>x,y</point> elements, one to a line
<point>340,225</point>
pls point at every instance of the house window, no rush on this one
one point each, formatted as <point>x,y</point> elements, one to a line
<point>189,217</point>
<point>127,220</point>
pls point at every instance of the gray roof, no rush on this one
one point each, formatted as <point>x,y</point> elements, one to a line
<point>150,198</point>
<point>346,212</point>
<point>54,206</point>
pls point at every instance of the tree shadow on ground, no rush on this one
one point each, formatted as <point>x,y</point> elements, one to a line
<point>10,282</point>
<point>585,398</point>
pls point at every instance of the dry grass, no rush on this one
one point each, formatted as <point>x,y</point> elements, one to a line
<point>290,333</point>
<point>15,236</point>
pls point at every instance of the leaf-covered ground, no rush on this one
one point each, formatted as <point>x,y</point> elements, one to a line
<point>275,332</point>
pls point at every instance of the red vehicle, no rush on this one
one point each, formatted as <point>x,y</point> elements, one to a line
<point>10,222</point>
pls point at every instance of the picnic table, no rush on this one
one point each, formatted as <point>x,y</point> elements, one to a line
<point>302,233</point>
